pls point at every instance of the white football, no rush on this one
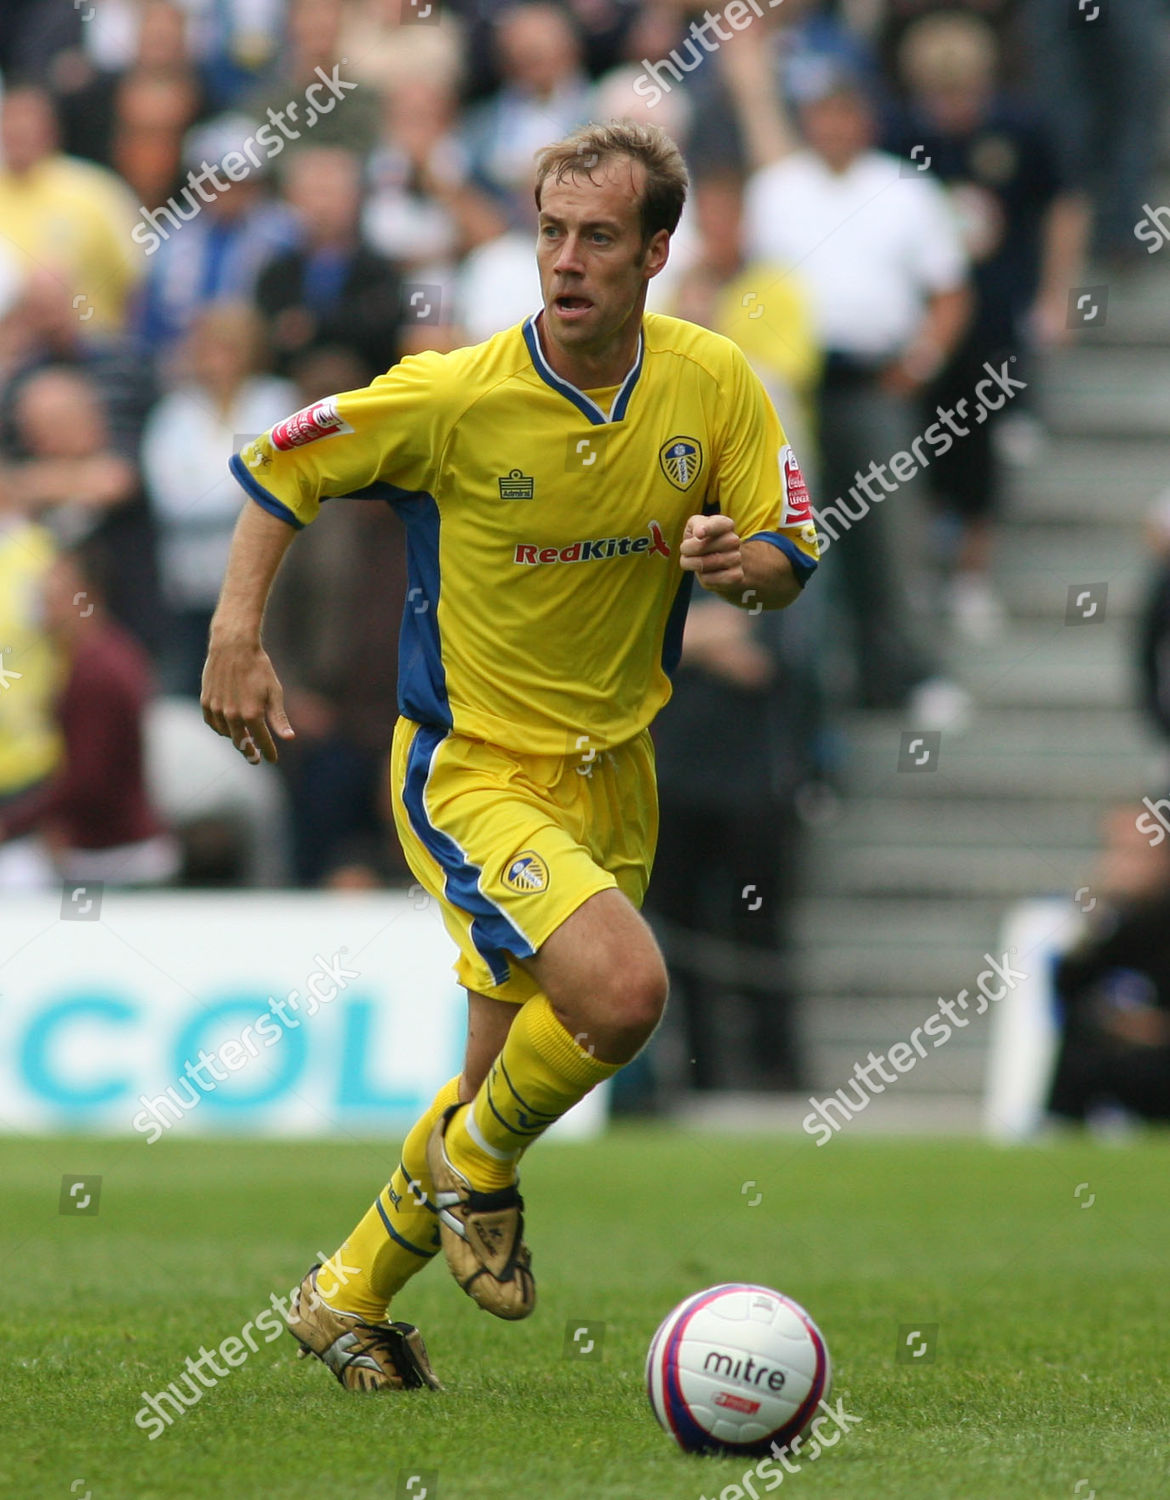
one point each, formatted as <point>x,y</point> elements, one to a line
<point>735,1369</point>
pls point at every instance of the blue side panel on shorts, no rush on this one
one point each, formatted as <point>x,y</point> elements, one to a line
<point>422,679</point>
<point>494,936</point>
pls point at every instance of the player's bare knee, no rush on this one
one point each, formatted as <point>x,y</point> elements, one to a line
<point>648,998</point>
<point>634,999</point>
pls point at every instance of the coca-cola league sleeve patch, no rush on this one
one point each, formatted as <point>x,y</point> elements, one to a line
<point>797,506</point>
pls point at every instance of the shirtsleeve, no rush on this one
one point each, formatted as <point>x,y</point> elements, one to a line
<point>758,482</point>
<point>381,442</point>
<point>936,244</point>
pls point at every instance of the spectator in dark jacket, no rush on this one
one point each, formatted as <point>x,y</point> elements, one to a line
<point>735,746</point>
<point>333,624</point>
<point>1114,985</point>
<point>75,480</point>
<point>332,291</point>
<point>43,329</point>
<point>1154,628</point>
<point>1024,231</point>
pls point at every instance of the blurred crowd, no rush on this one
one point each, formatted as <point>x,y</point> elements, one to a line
<point>213,212</point>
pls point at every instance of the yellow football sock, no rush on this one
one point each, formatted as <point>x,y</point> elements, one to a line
<point>398,1235</point>
<point>540,1073</point>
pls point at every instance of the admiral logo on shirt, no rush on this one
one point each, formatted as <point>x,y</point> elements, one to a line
<point>516,485</point>
<point>594,549</point>
<point>307,425</point>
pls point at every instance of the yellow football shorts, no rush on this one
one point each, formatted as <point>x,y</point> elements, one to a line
<point>510,845</point>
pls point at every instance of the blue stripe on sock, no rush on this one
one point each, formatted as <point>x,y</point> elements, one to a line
<point>394,1235</point>
<point>519,1097</point>
<point>517,1129</point>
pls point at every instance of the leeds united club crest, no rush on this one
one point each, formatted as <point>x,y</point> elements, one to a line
<point>681,459</point>
<point>526,873</point>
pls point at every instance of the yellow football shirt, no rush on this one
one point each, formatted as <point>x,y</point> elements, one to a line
<point>545,604</point>
<point>74,218</point>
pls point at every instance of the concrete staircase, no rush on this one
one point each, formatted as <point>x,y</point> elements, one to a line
<point>907,888</point>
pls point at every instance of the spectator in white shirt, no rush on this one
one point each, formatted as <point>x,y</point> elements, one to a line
<point>189,437</point>
<point>544,94</point>
<point>881,257</point>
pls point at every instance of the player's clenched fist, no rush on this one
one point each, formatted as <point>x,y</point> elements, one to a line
<point>711,550</point>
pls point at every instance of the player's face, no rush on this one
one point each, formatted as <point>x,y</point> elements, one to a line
<point>593,264</point>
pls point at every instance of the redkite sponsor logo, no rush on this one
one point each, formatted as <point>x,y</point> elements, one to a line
<point>594,549</point>
<point>322,419</point>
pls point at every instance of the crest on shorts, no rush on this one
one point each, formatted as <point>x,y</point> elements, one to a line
<point>682,460</point>
<point>526,873</point>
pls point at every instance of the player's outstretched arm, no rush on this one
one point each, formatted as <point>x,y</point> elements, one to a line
<point>740,572</point>
<point>242,698</point>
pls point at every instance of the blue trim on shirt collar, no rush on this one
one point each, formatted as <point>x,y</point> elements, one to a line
<point>584,404</point>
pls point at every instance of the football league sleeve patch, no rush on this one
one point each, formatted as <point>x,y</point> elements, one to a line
<point>376,440</point>
<point>759,482</point>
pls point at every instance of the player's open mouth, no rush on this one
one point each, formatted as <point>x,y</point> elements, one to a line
<point>572,307</point>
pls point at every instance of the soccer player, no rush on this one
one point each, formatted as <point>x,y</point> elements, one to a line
<point>562,485</point>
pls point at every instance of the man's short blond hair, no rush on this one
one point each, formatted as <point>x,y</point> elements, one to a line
<point>664,190</point>
<point>949,50</point>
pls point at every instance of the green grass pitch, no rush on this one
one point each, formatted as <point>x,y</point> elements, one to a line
<point>1045,1270</point>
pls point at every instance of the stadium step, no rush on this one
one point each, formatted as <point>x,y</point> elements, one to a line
<point>885,946</point>
<point>837,1033</point>
<point>1036,665</point>
<point>1137,312</point>
<point>1036,566</point>
<point>1098,481</point>
<point>1118,391</point>
<point>1005,755</point>
<point>907,888</point>
<point>1003,866</point>
<point>879,822</point>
